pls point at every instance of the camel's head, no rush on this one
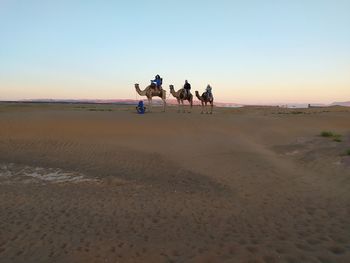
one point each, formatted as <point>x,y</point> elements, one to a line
<point>136,85</point>
<point>171,87</point>
<point>197,93</point>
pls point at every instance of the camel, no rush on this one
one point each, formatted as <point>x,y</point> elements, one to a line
<point>204,100</point>
<point>180,97</point>
<point>150,92</point>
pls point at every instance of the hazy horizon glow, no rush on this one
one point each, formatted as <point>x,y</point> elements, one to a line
<point>249,51</point>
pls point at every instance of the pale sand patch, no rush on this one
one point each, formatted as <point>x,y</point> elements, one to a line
<point>20,174</point>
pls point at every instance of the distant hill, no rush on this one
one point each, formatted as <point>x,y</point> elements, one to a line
<point>172,101</point>
<point>81,101</point>
<point>344,103</point>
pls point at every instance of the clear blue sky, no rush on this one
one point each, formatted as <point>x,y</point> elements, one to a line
<point>250,51</point>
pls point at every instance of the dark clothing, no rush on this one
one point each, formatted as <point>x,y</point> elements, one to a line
<point>187,86</point>
<point>157,82</point>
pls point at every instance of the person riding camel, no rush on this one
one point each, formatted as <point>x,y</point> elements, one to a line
<point>208,91</point>
<point>157,83</point>
<point>187,88</point>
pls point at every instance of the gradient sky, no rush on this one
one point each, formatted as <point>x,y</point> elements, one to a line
<point>250,51</point>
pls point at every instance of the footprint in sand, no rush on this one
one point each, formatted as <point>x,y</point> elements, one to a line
<point>337,250</point>
<point>270,259</point>
<point>252,249</point>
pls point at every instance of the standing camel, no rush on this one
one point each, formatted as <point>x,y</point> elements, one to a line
<point>150,92</point>
<point>204,100</point>
<point>180,97</point>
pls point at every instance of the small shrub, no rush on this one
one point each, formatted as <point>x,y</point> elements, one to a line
<point>334,136</point>
<point>327,134</point>
<point>94,109</point>
<point>337,138</point>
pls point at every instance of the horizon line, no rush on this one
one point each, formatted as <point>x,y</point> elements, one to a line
<point>107,101</point>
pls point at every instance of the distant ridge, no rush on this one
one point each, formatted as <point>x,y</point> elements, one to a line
<point>344,103</point>
<point>80,101</point>
<point>173,102</point>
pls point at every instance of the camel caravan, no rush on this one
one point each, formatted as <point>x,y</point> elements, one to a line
<point>184,94</point>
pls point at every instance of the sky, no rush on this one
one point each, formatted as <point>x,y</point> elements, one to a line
<point>257,52</point>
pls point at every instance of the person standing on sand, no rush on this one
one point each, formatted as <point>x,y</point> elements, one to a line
<point>187,88</point>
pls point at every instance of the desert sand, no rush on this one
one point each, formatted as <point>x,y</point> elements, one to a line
<point>100,183</point>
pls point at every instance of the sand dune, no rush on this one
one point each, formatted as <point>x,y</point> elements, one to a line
<point>100,183</point>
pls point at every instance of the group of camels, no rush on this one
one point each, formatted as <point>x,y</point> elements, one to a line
<point>180,96</point>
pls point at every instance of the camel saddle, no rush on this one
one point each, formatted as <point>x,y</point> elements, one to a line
<point>207,96</point>
<point>155,88</point>
<point>185,95</point>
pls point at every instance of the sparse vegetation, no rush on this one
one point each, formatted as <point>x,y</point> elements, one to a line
<point>334,136</point>
<point>327,134</point>
<point>290,112</point>
<point>337,138</point>
<point>95,109</point>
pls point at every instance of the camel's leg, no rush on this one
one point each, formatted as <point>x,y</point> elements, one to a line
<point>206,107</point>
<point>211,107</point>
<point>164,100</point>
<point>150,104</point>
<point>202,107</point>
<point>191,104</point>
<point>183,106</point>
<point>164,105</point>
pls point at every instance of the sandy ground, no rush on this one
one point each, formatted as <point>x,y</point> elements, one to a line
<point>99,183</point>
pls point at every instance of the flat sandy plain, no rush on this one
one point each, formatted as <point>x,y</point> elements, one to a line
<point>99,183</point>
